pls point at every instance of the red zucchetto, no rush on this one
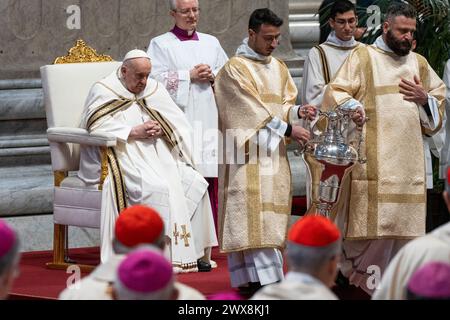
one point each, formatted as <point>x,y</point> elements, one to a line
<point>314,231</point>
<point>138,225</point>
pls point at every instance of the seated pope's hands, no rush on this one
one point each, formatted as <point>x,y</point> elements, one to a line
<point>149,129</point>
<point>300,134</point>
<point>359,116</point>
<point>202,73</point>
<point>307,111</point>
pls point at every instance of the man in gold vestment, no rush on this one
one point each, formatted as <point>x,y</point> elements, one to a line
<point>384,201</point>
<point>255,97</point>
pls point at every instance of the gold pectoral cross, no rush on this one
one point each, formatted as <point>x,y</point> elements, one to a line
<point>176,234</point>
<point>185,235</point>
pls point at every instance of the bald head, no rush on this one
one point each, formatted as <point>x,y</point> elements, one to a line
<point>135,73</point>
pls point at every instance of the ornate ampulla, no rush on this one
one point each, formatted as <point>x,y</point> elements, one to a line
<point>329,159</point>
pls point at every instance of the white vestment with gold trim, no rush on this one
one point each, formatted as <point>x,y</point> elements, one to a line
<point>153,173</point>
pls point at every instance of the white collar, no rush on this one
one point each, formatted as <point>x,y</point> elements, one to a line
<point>246,51</point>
<point>380,44</point>
<point>334,40</point>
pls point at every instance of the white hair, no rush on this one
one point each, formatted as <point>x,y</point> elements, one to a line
<point>120,248</point>
<point>310,259</point>
<point>173,4</point>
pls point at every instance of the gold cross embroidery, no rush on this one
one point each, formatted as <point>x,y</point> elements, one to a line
<point>185,235</point>
<point>176,234</point>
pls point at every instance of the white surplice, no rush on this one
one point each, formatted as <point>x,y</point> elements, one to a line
<point>172,60</point>
<point>255,265</point>
<point>153,174</point>
<point>313,83</point>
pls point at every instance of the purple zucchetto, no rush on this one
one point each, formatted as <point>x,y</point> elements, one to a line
<point>145,271</point>
<point>431,281</point>
<point>230,295</point>
<point>7,238</point>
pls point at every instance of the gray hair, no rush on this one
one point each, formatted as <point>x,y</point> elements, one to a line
<point>10,259</point>
<point>173,4</point>
<point>120,248</point>
<point>310,259</point>
<point>401,9</point>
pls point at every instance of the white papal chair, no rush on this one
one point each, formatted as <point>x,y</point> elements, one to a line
<point>66,85</point>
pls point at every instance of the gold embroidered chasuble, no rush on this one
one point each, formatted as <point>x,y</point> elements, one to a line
<point>254,185</point>
<point>387,195</point>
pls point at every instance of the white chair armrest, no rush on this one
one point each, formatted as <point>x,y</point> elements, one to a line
<point>80,136</point>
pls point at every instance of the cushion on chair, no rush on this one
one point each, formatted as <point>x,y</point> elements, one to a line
<point>77,206</point>
<point>77,183</point>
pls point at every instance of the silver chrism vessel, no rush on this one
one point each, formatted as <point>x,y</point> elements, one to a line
<point>330,158</point>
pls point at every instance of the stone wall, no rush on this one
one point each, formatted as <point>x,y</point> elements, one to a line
<point>34,32</point>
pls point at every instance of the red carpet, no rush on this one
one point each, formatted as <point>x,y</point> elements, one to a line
<point>37,282</point>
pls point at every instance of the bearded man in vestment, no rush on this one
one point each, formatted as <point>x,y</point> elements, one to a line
<point>383,204</point>
<point>151,163</point>
<point>256,101</point>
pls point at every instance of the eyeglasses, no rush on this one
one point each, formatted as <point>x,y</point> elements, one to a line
<point>186,12</point>
<point>343,22</point>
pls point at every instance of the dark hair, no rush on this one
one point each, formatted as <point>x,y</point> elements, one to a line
<point>341,6</point>
<point>401,9</point>
<point>263,16</point>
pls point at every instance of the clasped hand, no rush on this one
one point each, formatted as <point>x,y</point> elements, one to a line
<point>202,73</point>
<point>149,129</point>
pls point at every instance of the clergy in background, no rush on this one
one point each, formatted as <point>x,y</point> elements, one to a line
<point>313,252</point>
<point>384,202</point>
<point>151,163</point>
<point>324,60</point>
<point>186,62</point>
<point>256,96</point>
<point>136,227</point>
